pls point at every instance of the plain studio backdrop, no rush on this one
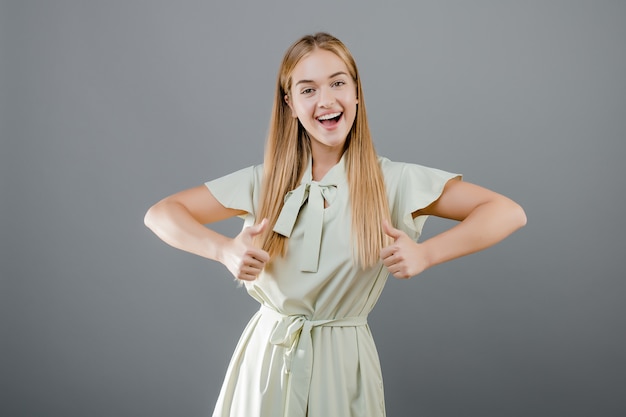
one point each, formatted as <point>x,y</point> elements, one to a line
<point>106,107</point>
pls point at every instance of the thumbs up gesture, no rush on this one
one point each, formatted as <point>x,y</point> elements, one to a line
<point>403,258</point>
<point>242,258</point>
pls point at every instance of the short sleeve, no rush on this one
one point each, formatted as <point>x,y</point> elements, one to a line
<point>411,187</point>
<point>238,190</point>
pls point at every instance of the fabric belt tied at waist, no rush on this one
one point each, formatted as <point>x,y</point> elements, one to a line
<point>294,334</point>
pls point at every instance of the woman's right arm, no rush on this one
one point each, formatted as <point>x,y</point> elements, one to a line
<point>179,220</point>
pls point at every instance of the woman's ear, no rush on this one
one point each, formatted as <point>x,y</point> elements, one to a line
<point>293,113</point>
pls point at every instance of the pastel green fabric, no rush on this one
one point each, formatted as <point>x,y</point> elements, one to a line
<point>308,351</point>
<point>315,192</point>
<point>294,333</point>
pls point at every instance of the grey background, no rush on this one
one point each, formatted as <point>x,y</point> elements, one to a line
<point>108,106</point>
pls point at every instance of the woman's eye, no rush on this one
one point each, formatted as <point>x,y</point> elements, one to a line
<point>307,91</point>
<point>338,83</point>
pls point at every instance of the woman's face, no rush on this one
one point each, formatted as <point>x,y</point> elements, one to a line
<point>323,98</point>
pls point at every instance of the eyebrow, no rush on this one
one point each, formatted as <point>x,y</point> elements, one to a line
<point>311,81</point>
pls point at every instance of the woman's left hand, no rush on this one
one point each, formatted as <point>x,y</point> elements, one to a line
<point>404,258</point>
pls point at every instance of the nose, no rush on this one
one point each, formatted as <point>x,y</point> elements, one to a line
<point>326,98</point>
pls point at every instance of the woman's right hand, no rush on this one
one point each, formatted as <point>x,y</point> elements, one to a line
<point>242,258</point>
<point>180,219</point>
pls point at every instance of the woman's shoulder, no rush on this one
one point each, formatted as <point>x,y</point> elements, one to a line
<point>253,171</point>
<point>400,172</point>
<point>390,168</point>
<point>251,174</point>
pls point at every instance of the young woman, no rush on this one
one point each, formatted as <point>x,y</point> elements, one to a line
<point>326,221</point>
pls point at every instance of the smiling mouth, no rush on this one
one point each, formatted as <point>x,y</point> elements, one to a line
<point>330,119</point>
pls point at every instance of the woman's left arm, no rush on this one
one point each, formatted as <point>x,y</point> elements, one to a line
<point>485,217</point>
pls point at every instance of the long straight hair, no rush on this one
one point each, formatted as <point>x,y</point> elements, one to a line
<point>288,150</point>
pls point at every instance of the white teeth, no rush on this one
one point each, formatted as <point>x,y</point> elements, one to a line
<point>328,116</point>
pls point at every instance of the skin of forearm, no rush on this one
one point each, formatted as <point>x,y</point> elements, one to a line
<point>485,226</point>
<point>173,223</point>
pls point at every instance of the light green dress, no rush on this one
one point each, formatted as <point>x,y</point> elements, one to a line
<point>308,351</point>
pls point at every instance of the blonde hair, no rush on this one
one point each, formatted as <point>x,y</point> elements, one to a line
<point>288,150</point>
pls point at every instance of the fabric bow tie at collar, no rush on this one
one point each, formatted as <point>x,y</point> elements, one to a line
<point>315,192</point>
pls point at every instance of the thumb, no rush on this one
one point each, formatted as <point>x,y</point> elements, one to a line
<point>391,231</point>
<point>257,229</point>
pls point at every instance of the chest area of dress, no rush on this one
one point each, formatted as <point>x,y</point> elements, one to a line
<point>318,275</point>
<point>323,224</point>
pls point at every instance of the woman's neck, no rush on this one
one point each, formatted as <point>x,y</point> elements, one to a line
<point>323,161</point>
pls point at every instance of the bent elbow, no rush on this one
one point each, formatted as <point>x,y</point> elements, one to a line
<point>519,216</point>
<point>149,218</point>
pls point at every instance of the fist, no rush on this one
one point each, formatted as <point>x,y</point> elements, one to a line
<point>242,258</point>
<point>403,258</point>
